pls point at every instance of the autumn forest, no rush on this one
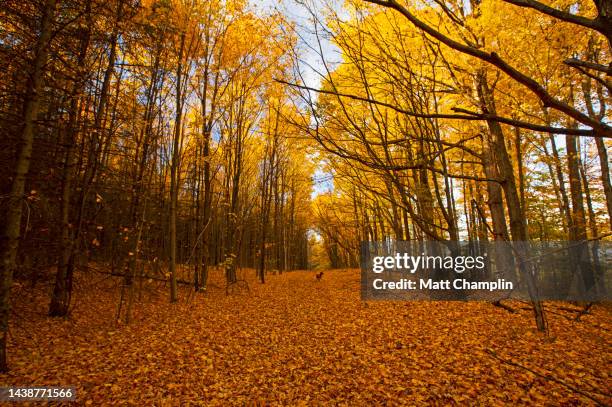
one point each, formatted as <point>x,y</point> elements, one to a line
<point>187,185</point>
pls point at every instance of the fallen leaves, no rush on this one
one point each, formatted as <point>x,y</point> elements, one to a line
<point>296,341</point>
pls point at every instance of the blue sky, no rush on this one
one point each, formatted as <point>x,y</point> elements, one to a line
<point>299,14</point>
<point>323,181</point>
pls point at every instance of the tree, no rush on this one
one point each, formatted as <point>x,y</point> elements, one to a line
<point>9,236</point>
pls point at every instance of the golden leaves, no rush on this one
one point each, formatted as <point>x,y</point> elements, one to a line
<point>295,341</point>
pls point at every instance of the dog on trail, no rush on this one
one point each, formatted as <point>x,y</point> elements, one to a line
<point>319,276</point>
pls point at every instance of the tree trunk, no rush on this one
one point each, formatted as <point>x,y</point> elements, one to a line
<point>604,163</point>
<point>557,189</point>
<point>60,299</point>
<point>206,208</point>
<point>578,227</point>
<point>518,224</point>
<point>494,192</point>
<point>602,151</point>
<point>174,172</point>
<point>92,162</point>
<point>9,237</point>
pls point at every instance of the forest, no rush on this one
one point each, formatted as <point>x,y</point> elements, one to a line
<point>187,186</point>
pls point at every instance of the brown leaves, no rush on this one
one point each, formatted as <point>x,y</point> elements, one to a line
<point>296,341</point>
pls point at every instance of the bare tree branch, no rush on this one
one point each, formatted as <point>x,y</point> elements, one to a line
<point>469,115</point>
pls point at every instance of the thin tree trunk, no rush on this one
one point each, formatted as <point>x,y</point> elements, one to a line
<point>604,163</point>
<point>521,171</point>
<point>602,151</point>
<point>9,236</point>
<point>587,194</point>
<point>174,173</point>
<point>557,189</point>
<point>561,179</point>
<point>578,231</point>
<point>578,228</point>
<point>206,217</point>
<point>93,160</point>
<point>60,299</point>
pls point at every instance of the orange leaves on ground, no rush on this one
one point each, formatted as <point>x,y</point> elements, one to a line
<point>298,341</point>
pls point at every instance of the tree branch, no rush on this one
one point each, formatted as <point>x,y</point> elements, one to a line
<point>593,24</point>
<point>494,59</point>
<point>472,116</point>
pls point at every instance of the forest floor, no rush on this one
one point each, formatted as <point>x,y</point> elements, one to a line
<point>298,341</point>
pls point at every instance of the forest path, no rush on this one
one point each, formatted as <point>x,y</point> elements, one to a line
<point>296,340</point>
